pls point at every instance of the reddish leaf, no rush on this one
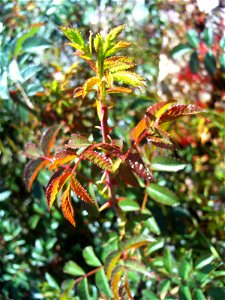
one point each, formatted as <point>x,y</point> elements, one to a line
<point>80,191</point>
<point>31,150</point>
<point>31,170</point>
<point>62,157</point>
<point>48,138</point>
<point>98,159</point>
<point>160,142</point>
<point>117,274</point>
<point>155,111</point>
<point>66,205</point>
<point>138,129</point>
<point>78,141</point>
<point>112,150</point>
<point>139,167</point>
<point>126,175</point>
<point>179,111</point>
<point>55,187</point>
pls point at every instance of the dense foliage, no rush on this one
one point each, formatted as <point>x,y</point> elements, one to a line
<point>150,221</point>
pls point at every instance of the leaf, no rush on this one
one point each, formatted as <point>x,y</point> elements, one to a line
<point>23,38</point>
<point>210,63</point>
<point>35,44</point>
<point>74,36</point>
<point>127,288</point>
<point>137,266</point>
<point>102,283</point>
<point>117,273</point>
<point>98,44</point>
<point>62,157</point>
<point>138,129</point>
<point>117,47</point>
<point>14,71</point>
<point>80,191</point>
<point>139,167</point>
<point>90,257</point>
<point>204,261</point>
<point>89,84</point>
<point>51,281</point>
<point>128,78</point>
<point>111,261</point>
<point>121,67</point>
<point>31,150</point>
<point>54,187</point>
<point>4,93</point>
<point>180,50</point>
<point>192,38</point>
<point>164,287</point>
<point>168,261</point>
<point>127,176</point>
<point>167,164</point>
<point>156,110</point>
<point>32,169</point>
<point>184,292</point>
<point>73,268</point>
<point>129,205</point>
<point>98,159</point>
<point>222,43</point>
<point>4,195</point>
<point>161,139</point>
<point>162,195</point>
<point>113,34</point>
<point>48,138</point>
<point>78,141</point>
<point>222,62</point>
<point>137,241</point>
<point>179,111</point>
<point>83,290</point>
<point>111,150</point>
<point>67,207</point>
<point>198,295</point>
<point>208,36</point>
<point>185,268</point>
<point>118,90</point>
<point>194,63</point>
<point>111,61</point>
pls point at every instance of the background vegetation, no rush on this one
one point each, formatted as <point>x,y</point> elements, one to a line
<point>180,51</point>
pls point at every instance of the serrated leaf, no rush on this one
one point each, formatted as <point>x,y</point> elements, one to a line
<point>156,110</point>
<point>98,44</point>
<point>32,169</point>
<point>185,293</point>
<point>78,92</point>
<point>162,195</point>
<point>111,261</point>
<point>180,50</point>
<point>114,33</point>
<point>137,241</point>
<point>111,61</point>
<point>98,159</point>
<point>210,63</point>
<point>192,38</point>
<point>90,257</point>
<point>128,78</point>
<point>89,84</point>
<point>160,142</point>
<point>80,191</point>
<point>78,141</point>
<point>167,164</point>
<point>138,129</point>
<point>139,167</point>
<point>54,187</point>
<point>129,205</point>
<point>48,138</point>
<point>102,283</point>
<point>121,67</point>
<point>117,274</point>
<point>31,150</point>
<point>127,176</point>
<point>73,268</point>
<point>74,36</point>
<point>137,266</point>
<point>67,207</point>
<point>117,47</point>
<point>179,111</point>
<point>118,90</point>
<point>62,157</point>
<point>111,150</point>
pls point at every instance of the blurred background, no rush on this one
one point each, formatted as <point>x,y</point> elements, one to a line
<point>179,47</point>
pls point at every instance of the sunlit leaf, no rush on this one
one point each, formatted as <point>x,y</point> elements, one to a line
<point>117,47</point>
<point>48,138</point>
<point>51,281</point>
<point>138,129</point>
<point>128,78</point>
<point>83,290</point>
<point>118,90</point>
<point>114,33</point>
<point>198,295</point>
<point>137,266</point>
<point>31,150</point>
<point>62,157</point>
<point>111,261</point>
<point>66,205</point>
<point>117,274</point>
<point>156,110</point>
<point>89,84</point>
<point>98,159</point>
<point>167,164</point>
<point>73,268</point>
<point>102,283</point>
<point>55,187</point>
<point>168,260</point>
<point>162,195</point>
<point>74,35</point>
<point>32,169</point>
<point>111,150</point>
<point>139,167</point>
<point>192,38</point>
<point>90,257</point>
<point>129,205</point>
<point>80,191</point>
<point>185,267</point>
<point>78,141</point>
<point>184,292</point>
<point>137,241</point>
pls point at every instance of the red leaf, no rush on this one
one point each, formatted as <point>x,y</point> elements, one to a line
<point>154,111</point>
<point>160,142</point>
<point>31,170</point>
<point>98,159</point>
<point>111,150</point>
<point>126,175</point>
<point>48,138</point>
<point>179,111</point>
<point>62,157</point>
<point>80,191</point>
<point>66,205</point>
<point>139,166</point>
<point>138,129</point>
<point>54,188</point>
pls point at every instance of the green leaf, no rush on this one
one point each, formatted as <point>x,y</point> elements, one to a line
<point>192,38</point>
<point>180,50</point>
<point>36,44</point>
<point>72,268</point>
<point>31,150</point>
<point>210,63</point>
<point>23,38</point>
<point>137,266</point>
<point>222,62</point>
<point>164,287</point>
<point>167,164</point>
<point>185,293</point>
<point>198,295</point>
<point>129,205</point>
<point>147,295</point>
<point>128,78</point>
<point>203,261</point>
<point>168,260</point>
<point>30,71</point>
<point>14,72</point>
<point>152,225</point>
<point>185,268</point>
<point>208,36</point>
<point>83,291</point>
<point>194,63</point>
<point>51,281</point>
<point>102,283</point>
<point>74,36</point>
<point>159,244</point>
<point>162,195</point>
<point>78,141</point>
<point>90,257</point>
<point>33,221</point>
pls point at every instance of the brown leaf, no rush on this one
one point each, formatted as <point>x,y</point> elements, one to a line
<point>138,166</point>
<point>80,191</point>
<point>62,157</point>
<point>67,207</point>
<point>48,138</point>
<point>98,159</point>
